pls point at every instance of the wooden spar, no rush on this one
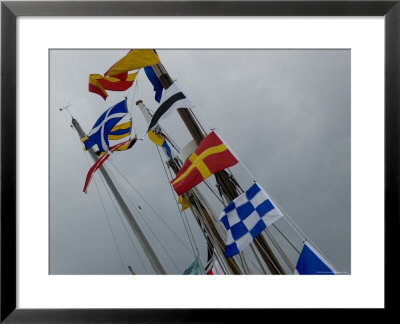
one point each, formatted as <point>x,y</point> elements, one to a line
<point>197,205</point>
<point>156,264</point>
<point>228,187</point>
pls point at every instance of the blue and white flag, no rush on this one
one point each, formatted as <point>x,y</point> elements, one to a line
<point>157,86</point>
<point>246,217</point>
<point>103,126</point>
<point>312,263</point>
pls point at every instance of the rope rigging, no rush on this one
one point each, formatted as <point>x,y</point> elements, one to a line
<point>108,220</point>
<point>143,219</point>
<point>148,204</point>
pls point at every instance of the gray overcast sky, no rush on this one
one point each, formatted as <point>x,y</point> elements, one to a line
<point>285,113</point>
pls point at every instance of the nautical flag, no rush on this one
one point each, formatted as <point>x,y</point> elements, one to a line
<point>134,60</point>
<point>194,268</point>
<point>124,147</point>
<point>120,131</point>
<point>211,156</point>
<point>246,217</point>
<point>120,82</point>
<point>103,126</point>
<point>171,99</point>
<point>183,202</point>
<point>155,81</point>
<point>99,163</point>
<point>160,141</point>
<point>312,263</point>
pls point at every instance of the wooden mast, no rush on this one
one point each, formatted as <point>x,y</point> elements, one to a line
<point>228,187</point>
<point>197,205</point>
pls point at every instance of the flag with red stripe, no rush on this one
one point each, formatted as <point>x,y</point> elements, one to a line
<point>99,163</point>
<point>119,82</point>
<point>210,157</point>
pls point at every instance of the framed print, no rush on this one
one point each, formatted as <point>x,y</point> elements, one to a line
<point>300,98</point>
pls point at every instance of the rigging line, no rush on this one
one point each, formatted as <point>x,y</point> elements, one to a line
<point>216,222</point>
<point>198,121</point>
<point>183,215</point>
<point>134,87</point>
<point>219,247</point>
<point>287,240</point>
<point>165,134</point>
<point>145,222</point>
<point>108,220</point>
<point>211,209</point>
<point>218,227</point>
<point>291,222</point>
<point>197,203</point>
<point>279,249</point>
<point>167,137</point>
<point>248,171</point>
<point>267,255</point>
<point>185,224</point>
<point>222,264</point>
<point>244,263</point>
<point>124,225</point>
<point>304,237</point>
<point>135,91</point>
<point>151,207</point>
<point>258,259</point>
<point>255,266</point>
<point>214,193</point>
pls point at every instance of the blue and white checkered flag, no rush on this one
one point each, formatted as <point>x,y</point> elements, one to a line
<point>246,217</point>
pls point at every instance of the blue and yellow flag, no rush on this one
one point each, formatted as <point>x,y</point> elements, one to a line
<point>118,132</point>
<point>160,141</point>
<point>104,125</point>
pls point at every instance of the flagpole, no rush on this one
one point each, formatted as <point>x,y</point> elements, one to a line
<point>227,186</point>
<point>156,264</point>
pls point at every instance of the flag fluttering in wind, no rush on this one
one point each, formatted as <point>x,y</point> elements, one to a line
<point>155,81</point>
<point>171,99</point>
<point>100,162</point>
<point>211,156</point>
<point>120,131</point>
<point>311,262</point>
<point>134,60</point>
<point>103,126</point>
<point>160,141</point>
<point>246,217</point>
<point>123,147</point>
<point>120,82</point>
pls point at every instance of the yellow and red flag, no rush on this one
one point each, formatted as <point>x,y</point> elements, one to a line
<point>119,82</point>
<point>210,157</point>
<point>134,60</point>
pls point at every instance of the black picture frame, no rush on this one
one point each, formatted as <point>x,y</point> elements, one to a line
<point>10,10</point>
